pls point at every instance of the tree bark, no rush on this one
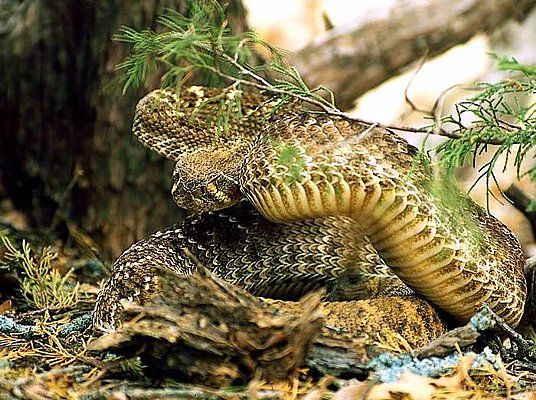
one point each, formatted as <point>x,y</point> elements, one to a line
<point>355,58</point>
<point>66,153</point>
<point>65,149</point>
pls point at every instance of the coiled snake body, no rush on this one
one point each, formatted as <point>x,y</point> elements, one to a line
<point>326,181</point>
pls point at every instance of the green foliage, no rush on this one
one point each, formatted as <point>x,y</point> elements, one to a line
<point>132,365</point>
<point>511,65</point>
<point>293,86</point>
<point>501,114</point>
<point>291,158</point>
<point>228,107</point>
<point>186,45</point>
<point>204,43</point>
<point>43,287</point>
<point>459,210</point>
<point>500,118</point>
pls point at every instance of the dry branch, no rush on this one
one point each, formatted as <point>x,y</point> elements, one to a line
<point>521,201</point>
<point>206,330</point>
<point>358,57</point>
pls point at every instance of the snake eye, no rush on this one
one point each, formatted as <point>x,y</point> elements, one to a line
<point>211,188</point>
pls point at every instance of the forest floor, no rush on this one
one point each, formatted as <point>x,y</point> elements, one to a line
<point>48,289</point>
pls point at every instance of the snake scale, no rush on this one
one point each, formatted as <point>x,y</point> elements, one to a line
<point>331,202</point>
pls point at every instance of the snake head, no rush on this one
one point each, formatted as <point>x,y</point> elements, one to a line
<point>200,185</point>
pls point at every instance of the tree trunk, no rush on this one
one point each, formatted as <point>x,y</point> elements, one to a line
<point>66,153</point>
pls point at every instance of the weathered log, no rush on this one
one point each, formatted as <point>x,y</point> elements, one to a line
<point>203,329</point>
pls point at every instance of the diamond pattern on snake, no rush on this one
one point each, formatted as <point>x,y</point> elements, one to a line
<point>291,201</point>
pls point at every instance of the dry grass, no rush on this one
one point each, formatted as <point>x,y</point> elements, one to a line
<point>50,365</point>
<point>43,286</point>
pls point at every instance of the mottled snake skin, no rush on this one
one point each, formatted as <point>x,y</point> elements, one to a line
<point>326,181</point>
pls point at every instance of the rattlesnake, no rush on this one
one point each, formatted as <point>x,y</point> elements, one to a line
<point>346,200</point>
